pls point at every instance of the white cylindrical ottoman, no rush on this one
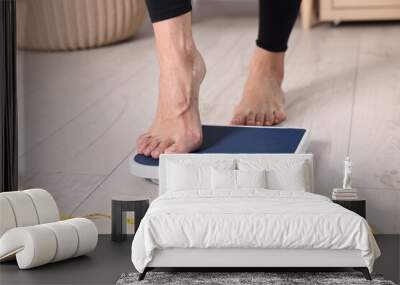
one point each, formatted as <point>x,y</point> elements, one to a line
<point>41,244</point>
<point>76,24</point>
<point>26,208</point>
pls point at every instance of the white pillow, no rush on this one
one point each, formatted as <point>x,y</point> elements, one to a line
<point>281,174</point>
<point>292,178</point>
<point>223,179</point>
<point>186,175</point>
<point>251,178</point>
<point>237,179</point>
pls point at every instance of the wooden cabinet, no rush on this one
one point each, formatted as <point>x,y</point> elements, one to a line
<point>348,10</point>
<point>358,10</point>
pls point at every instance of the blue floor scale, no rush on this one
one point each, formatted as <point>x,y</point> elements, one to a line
<point>234,139</point>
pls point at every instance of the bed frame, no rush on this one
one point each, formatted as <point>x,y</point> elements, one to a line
<point>249,259</point>
<point>242,259</point>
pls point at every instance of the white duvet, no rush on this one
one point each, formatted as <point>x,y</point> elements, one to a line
<point>250,219</point>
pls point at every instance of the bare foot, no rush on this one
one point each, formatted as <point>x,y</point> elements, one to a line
<point>263,100</point>
<point>177,126</point>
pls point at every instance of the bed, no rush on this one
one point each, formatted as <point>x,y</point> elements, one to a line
<point>247,210</point>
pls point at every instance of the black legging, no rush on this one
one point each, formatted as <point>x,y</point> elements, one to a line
<point>276,19</point>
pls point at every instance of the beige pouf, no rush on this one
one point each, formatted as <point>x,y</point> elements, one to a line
<point>76,24</point>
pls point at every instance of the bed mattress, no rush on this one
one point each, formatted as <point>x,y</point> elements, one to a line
<point>251,219</point>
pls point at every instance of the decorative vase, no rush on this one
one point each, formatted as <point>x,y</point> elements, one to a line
<point>76,24</point>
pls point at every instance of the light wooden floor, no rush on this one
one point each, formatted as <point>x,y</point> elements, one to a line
<point>81,112</point>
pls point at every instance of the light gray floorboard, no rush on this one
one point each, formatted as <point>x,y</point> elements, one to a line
<point>81,112</point>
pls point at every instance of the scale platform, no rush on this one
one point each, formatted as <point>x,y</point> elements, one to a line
<point>234,139</point>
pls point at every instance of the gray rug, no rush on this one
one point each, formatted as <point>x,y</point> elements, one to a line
<point>243,278</point>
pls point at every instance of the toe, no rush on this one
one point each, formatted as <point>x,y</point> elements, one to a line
<point>161,148</point>
<point>178,147</point>
<point>155,153</point>
<point>171,149</point>
<point>142,144</point>
<point>269,119</point>
<point>279,117</point>
<point>238,120</point>
<point>260,119</point>
<point>141,138</point>
<point>251,118</point>
<point>151,146</point>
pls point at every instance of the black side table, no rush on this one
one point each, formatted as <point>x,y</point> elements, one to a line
<point>356,206</point>
<point>120,205</point>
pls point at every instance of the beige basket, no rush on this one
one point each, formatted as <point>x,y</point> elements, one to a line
<point>76,24</point>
